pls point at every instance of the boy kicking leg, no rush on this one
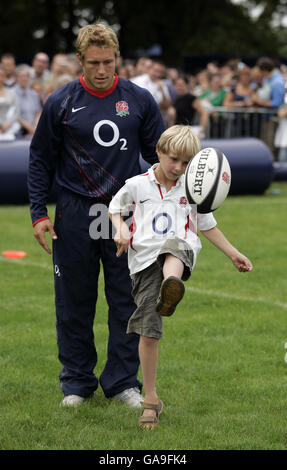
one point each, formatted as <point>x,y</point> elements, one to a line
<point>172,288</point>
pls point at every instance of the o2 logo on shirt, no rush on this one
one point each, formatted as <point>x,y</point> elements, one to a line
<point>161,223</point>
<point>115,138</point>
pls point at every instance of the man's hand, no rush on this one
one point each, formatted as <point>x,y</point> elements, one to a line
<point>39,232</point>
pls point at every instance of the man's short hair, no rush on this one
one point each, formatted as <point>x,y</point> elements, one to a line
<point>183,77</point>
<point>179,140</point>
<point>7,55</point>
<point>99,35</point>
<point>265,63</point>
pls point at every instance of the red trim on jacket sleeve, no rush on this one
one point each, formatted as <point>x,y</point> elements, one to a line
<point>40,220</point>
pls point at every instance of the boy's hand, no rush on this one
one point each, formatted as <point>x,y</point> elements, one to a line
<point>242,263</point>
<point>122,239</point>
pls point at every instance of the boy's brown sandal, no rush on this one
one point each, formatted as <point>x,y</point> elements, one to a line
<point>171,293</point>
<point>150,422</point>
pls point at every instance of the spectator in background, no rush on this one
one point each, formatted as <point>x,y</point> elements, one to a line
<point>38,87</point>
<point>59,66</point>
<point>212,97</point>
<point>228,77</point>
<point>283,71</point>
<point>143,65</point>
<point>273,79</point>
<point>9,109</point>
<point>125,69</point>
<point>58,83</point>
<point>257,77</point>
<point>171,75</point>
<point>280,139</point>
<point>130,67</point>
<point>153,82</point>
<point>215,94</point>
<point>260,86</point>
<point>241,94</point>
<point>191,82</point>
<point>40,68</point>
<point>122,72</point>
<point>9,63</point>
<point>74,67</point>
<point>201,84</point>
<point>236,64</point>
<point>212,68</point>
<point>29,102</point>
<point>187,108</point>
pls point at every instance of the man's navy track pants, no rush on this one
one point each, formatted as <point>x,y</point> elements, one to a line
<point>77,259</point>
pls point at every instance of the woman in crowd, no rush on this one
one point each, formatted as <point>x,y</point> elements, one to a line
<point>187,108</point>
<point>29,102</point>
<point>215,94</point>
<point>241,94</point>
<point>9,110</point>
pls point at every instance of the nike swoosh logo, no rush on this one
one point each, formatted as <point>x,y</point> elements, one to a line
<point>141,202</point>
<point>74,110</point>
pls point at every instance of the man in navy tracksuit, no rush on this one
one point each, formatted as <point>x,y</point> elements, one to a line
<point>88,141</point>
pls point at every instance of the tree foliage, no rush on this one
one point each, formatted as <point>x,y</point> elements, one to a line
<point>183,26</point>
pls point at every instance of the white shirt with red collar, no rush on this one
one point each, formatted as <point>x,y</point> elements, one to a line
<point>160,219</point>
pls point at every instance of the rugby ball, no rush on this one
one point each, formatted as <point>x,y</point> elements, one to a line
<point>207,180</point>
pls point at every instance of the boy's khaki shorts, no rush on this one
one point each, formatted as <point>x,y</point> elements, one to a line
<point>146,286</point>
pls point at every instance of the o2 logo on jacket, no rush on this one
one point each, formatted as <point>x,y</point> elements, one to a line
<point>115,135</point>
<point>161,223</point>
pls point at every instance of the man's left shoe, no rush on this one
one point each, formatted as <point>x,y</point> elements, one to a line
<point>132,397</point>
<point>72,400</point>
<point>171,292</point>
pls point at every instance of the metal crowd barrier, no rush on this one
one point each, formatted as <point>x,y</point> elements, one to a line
<point>228,122</point>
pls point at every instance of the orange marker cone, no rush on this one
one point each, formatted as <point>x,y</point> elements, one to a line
<point>14,254</point>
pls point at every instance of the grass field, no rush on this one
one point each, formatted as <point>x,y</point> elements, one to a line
<point>222,371</point>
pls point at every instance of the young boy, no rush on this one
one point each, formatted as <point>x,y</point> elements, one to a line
<point>162,245</point>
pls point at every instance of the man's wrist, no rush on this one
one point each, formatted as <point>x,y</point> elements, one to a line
<point>40,220</point>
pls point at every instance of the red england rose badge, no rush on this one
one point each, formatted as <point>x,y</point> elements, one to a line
<point>122,108</point>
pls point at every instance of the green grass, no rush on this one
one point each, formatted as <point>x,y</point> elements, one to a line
<point>221,375</point>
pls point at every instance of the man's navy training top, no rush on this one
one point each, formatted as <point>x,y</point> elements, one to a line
<point>90,142</point>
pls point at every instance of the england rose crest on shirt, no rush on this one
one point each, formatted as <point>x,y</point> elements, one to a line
<point>122,108</point>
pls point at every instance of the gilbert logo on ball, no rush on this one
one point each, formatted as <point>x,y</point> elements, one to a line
<point>207,180</point>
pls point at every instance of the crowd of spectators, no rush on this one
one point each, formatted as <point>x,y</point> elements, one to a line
<point>183,98</point>
<point>25,88</point>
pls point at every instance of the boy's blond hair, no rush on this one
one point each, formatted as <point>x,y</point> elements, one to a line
<point>99,35</point>
<point>179,140</point>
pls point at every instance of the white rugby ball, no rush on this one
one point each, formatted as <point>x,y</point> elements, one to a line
<point>207,180</point>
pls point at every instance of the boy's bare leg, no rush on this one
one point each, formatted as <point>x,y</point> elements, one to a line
<point>148,353</point>
<point>172,266</point>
